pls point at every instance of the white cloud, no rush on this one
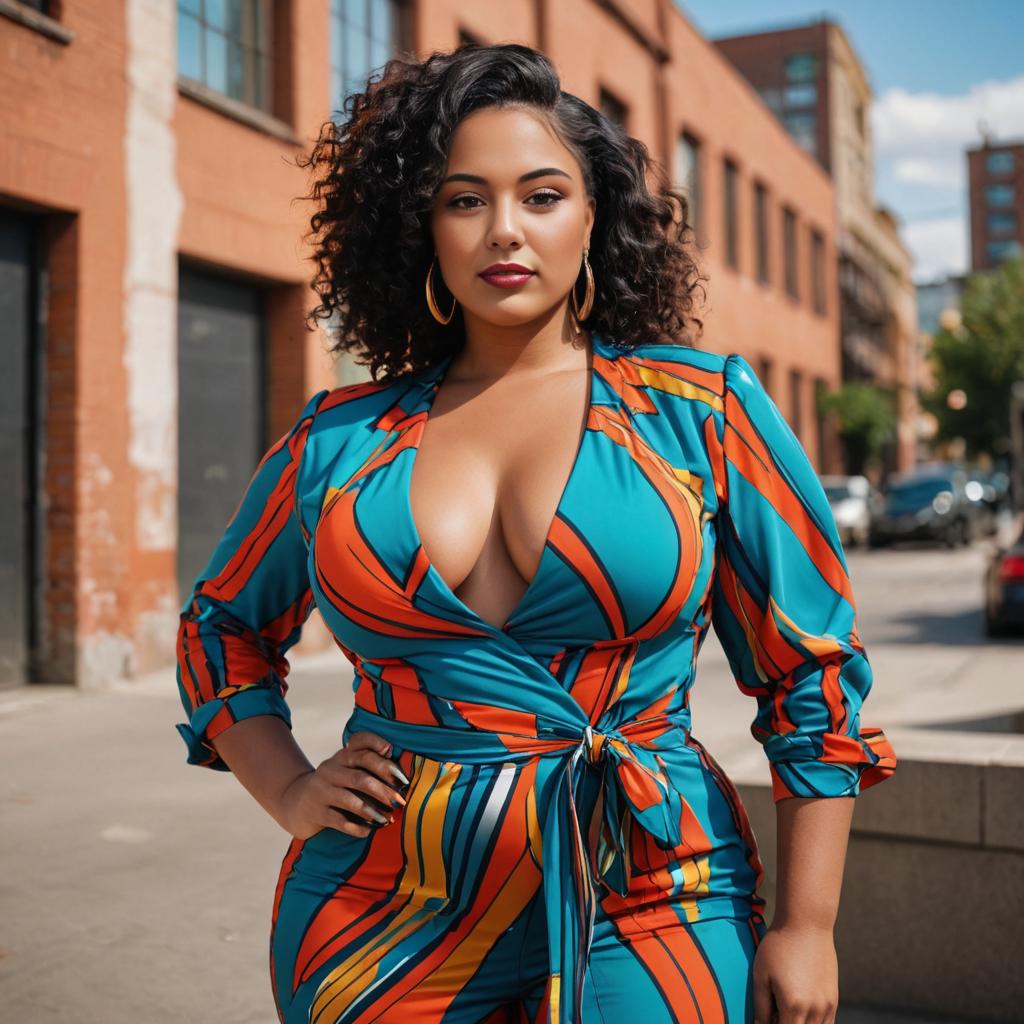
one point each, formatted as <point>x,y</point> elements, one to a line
<point>938,246</point>
<point>917,170</point>
<point>920,140</point>
<point>914,124</point>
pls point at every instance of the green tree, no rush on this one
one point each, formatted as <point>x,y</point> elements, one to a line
<point>866,416</point>
<point>981,358</point>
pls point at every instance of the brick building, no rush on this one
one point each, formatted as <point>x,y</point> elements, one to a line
<point>995,177</point>
<point>811,77</point>
<point>154,281</point>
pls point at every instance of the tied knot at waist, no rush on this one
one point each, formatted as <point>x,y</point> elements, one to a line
<point>577,856</point>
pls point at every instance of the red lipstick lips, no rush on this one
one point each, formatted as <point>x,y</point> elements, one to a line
<point>506,275</point>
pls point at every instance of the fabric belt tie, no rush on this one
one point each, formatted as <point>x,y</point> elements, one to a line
<point>576,855</point>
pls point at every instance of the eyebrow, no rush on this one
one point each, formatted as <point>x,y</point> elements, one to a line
<point>541,172</point>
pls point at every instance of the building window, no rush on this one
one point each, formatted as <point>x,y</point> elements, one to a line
<point>688,155</point>
<point>818,271</point>
<point>789,248</point>
<point>364,35</point>
<point>999,195</point>
<point>729,206</point>
<point>820,424</point>
<point>802,125</point>
<point>803,95</point>
<point>226,46</point>
<point>796,410</point>
<point>613,108</point>
<point>1002,250</point>
<point>801,67</point>
<point>761,230</point>
<point>764,373</point>
<point>1002,223</point>
<point>772,96</point>
<point>999,162</point>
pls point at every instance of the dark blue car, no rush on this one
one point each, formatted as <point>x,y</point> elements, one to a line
<point>925,504</point>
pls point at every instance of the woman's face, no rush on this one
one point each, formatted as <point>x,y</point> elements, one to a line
<point>494,207</point>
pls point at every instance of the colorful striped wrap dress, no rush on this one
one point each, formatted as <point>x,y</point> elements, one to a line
<point>552,759</point>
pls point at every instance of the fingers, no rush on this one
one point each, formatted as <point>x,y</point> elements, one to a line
<point>367,761</point>
<point>336,819</point>
<point>368,740</point>
<point>369,751</point>
<point>365,784</point>
<point>346,800</point>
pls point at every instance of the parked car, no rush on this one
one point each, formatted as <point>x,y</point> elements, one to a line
<point>928,502</point>
<point>1004,589</point>
<point>990,494</point>
<point>851,499</point>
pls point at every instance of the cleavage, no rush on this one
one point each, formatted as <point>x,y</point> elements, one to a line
<point>488,477</point>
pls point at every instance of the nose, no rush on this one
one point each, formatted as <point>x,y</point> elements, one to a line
<point>504,231</point>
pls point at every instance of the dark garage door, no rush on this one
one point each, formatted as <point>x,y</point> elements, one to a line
<point>20,438</point>
<point>220,409</point>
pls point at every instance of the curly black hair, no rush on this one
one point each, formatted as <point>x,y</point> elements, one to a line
<point>375,176</point>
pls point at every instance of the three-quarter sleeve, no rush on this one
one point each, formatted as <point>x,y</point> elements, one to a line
<point>783,608</point>
<point>248,605</point>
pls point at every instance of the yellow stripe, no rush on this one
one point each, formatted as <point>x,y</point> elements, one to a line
<point>674,386</point>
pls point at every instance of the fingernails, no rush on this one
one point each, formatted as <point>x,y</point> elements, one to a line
<point>398,773</point>
<point>377,816</point>
<point>398,801</point>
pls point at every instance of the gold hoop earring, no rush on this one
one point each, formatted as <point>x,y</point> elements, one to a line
<point>588,298</point>
<point>434,311</point>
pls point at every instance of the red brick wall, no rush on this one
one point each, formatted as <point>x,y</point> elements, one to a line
<point>63,124</point>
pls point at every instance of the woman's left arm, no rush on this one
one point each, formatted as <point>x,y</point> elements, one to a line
<point>796,964</point>
<point>784,612</point>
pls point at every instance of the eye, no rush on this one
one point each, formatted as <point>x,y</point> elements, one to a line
<point>551,197</point>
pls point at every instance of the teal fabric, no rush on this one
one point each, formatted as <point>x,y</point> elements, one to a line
<point>690,504</point>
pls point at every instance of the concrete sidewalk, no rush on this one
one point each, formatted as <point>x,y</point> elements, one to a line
<point>139,888</point>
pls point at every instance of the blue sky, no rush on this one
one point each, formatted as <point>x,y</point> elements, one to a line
<point>936,68</point>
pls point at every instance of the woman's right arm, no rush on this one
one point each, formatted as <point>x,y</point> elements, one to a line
<point>246,609</point>
<point>265,758</point>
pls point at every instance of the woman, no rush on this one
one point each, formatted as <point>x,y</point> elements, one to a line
<point>519,534</point>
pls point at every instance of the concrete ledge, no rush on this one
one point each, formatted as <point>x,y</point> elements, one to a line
<point>932,907</point>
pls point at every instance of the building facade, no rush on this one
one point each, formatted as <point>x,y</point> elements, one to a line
<point>155,280</point>
<point>811,78</point>
<point>995,177</point>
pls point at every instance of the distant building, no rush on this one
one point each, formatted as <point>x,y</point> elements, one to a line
<point>936,297</point>
<point>995,175</point>
<point>938,306</point>
<point>811,78</point>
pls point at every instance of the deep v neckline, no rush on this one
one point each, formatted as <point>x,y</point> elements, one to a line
<point>431,382</point>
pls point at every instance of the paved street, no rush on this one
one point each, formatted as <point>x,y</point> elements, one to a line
<point>136,888</point>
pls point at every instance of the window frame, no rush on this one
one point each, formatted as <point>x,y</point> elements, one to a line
<point>816,251</point>
<point>790,260</point>
<point>730,211</point>
<point>762,233</point>
<point>255,43</point>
